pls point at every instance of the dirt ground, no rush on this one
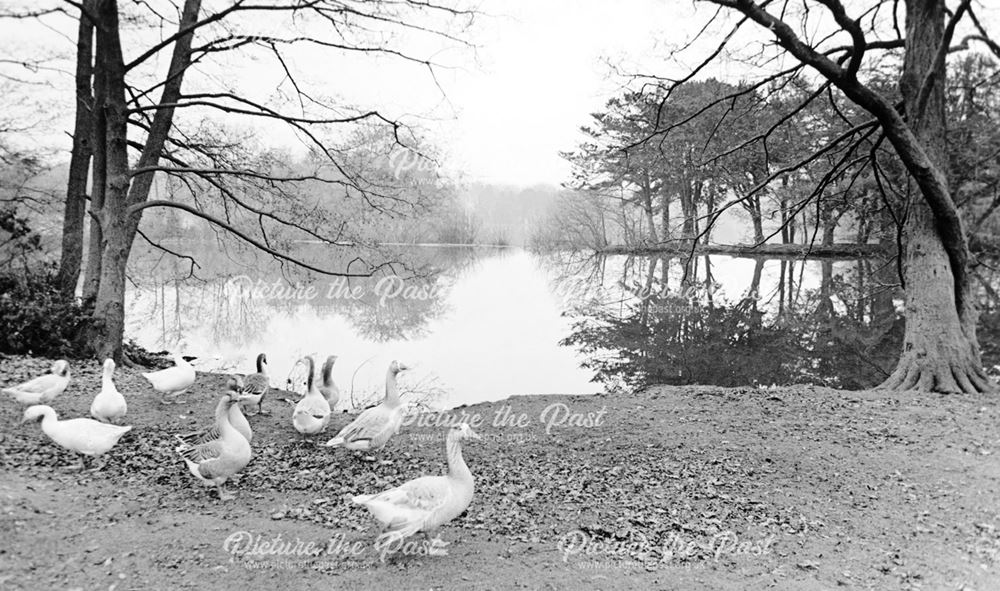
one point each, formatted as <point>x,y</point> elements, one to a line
<point>671,488</point>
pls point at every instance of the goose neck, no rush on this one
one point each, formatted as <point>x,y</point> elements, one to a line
<point>391,389</point>
<point>457,467</point>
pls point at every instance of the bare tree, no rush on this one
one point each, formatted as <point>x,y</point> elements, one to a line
<point>940,350</point>
<point>131,128</point>
<point>76,187</point>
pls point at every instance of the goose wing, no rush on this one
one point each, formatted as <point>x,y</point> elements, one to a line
<point>255,384</point>
<point>199,437</point>
<point>39,385</point>
<point>405,510</point>
<point>372,426</point>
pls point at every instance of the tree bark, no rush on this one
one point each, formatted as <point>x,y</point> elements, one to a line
<point>95,244</point>
<point>76,186</point>
<point>756,218</point>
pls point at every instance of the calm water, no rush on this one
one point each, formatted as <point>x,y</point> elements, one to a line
<point>484,324</point>
<point>481,329</point>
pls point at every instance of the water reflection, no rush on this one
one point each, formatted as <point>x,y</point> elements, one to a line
<point>484,324</point>
<point>475,325</point>
<point>733,322</point>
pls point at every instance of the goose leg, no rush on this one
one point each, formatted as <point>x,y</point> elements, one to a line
<point>223,495</point>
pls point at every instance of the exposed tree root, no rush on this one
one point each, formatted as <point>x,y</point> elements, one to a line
<point>926,374</point>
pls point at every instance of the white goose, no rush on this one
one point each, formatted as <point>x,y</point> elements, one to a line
<point>109,404</point>
<point>257,384</point>
<point>426,503</point>
<point>373,427</point>
<point>236,418</point>
<point>172,381</point>
<point>87,437</point>
<point>312,413</point>
<point>43,388</point>
<point>327,387</point>
<point>215,461</point>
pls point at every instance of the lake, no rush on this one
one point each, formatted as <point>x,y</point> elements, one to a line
<point>480,324</point>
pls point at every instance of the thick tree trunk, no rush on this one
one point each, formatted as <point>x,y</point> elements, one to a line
<point>119,215</point>
<point>940,350</point>
<point>109,306</point>
<point>76,186</point>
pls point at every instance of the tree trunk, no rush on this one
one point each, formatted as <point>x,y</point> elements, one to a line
<point>646,194</point>
<point>119,214</point>
<point>95,244</point>
<point>76,186</point>
<point>687,209</point>
<point>829,227</point>
<point>665,216</point>
<point>756,218</point>
<point>109,306</point>
<point>940,350</point>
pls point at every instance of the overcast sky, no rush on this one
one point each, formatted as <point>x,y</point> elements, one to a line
<point>501,112</point>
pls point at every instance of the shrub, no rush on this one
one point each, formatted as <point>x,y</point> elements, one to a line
<point>36,319</point>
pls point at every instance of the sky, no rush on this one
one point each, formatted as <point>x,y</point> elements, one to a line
<point>545,68</point>
<point>499,112</point>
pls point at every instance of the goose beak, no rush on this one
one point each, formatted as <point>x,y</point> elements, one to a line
<point>473,435</point>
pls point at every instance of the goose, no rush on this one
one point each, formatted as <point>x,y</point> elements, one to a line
<point>43,388</point>
<point>256,385</point>
<point>312,413</point>
<point>327,387</point>
<point>86,437</point>
<point>374,426</point>
<point>236,418</point>
<point>172,381</point>
<point>109,404</point>
<point>216,460</point>
<point>426,503</point>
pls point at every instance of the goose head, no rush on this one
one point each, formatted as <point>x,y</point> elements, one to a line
<point>38,411</point>
<point>60,368</point>
<point>109,366</point>
<point>461,432</point>
<point>397,366</point>
<point>235,389</point>
<point>261,362</point>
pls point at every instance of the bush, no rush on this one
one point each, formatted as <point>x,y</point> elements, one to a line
<point>36,319</point>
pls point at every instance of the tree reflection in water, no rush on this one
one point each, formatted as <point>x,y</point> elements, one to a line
<point>832,323</point>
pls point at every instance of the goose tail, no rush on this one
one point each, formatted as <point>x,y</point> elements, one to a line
<point>362,499</point>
